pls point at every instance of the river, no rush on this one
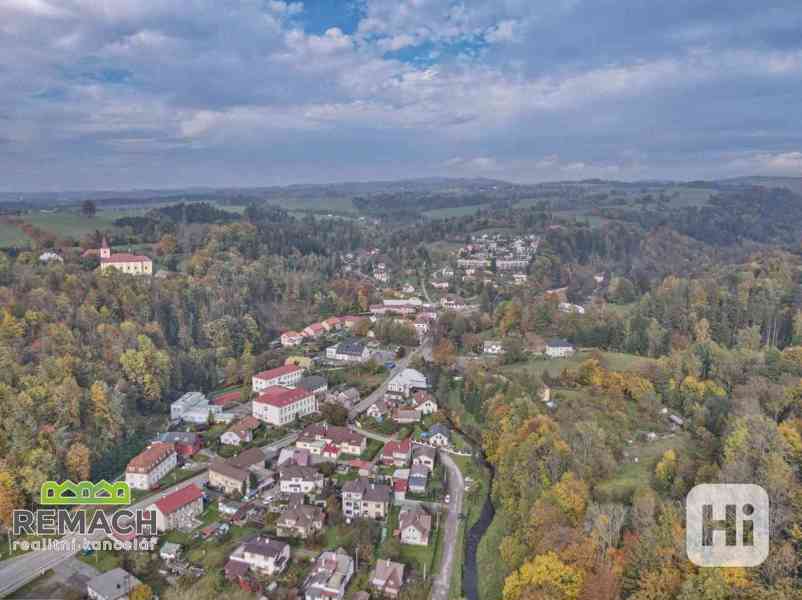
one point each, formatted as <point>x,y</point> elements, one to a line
<point>470,572</point>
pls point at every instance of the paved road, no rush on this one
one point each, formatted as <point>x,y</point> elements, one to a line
<point>456,488</point>
<point>378,393</point>
<point>372,435</point>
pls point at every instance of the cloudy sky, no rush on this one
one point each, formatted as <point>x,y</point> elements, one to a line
<point>169,93</point>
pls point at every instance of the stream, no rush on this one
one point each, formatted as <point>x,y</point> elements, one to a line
<point>470,571</point>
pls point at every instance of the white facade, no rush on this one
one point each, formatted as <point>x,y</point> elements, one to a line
<point>407,380</point>
<point>280,414</point>
<point>280,376</point>
<point>560,350</point>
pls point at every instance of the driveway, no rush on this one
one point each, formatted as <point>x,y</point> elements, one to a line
<point>456,488</point>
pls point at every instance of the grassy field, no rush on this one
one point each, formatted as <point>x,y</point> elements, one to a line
<point>12,236</point>
<point>315,204</point>
<point>616,361</point>
<point>492,569</point>
<point>70,224</point>
<point>631,474</point>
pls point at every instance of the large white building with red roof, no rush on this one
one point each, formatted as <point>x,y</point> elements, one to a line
<point>280,406</point>
<point>287,375</point>
<point>179,508</point>
<point>133,264</point>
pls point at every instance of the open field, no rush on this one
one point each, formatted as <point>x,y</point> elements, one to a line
<point>12,236</point>
<point>631,474</point>
<point>314,204</point>
<point>616,361</point>
<point>70,224</point>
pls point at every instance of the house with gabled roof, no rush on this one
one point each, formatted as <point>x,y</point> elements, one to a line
<point>387,577</point>
<point>179,508</point>
<point>414,526</point>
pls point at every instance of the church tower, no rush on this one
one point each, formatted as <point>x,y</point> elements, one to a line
<point>105,251</point>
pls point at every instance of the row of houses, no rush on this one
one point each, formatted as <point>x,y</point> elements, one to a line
<point>316,330</point>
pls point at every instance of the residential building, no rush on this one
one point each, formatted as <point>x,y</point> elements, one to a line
<point>405,416</point>
<point>186,443</point>
<point>251,458</point>
<point>349,351</point>
<point>397,453</point>
<point>287,375</point>
<point>567,307</point>
<point>262,555</point>
<point>315,330</point>
<point>347,397</point>
<point>378,410</point>
<point>362,498</point>
<point>280,406</point>
<point>229,479</point>
<point>300,521</point>
<point>241,432</point>
<point>178,509</point>
<point>314,383</point>
<point>116,584</point>
<point>329,576</point>
<point>185,403</point>
<point>147,468</point>
<point>492,347</point>
<point>349,442</point>
<point>170,551</point>
<point>453,302</point>
<point>418,479</point>
<point>50,256</point>
<point>295,478</point>
<point>414,526</point>
<point>407,381</point>
<point>559,348</point>
<point>424,403</point>
<point>350,321</point>
<point>387,577</point>
<point>424,455</point>
<point>439,435</point>
<point>291,338</point>
<point>332,324</point>
<point>133,264</point>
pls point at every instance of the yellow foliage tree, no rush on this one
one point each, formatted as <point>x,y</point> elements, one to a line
<point>547,575</point>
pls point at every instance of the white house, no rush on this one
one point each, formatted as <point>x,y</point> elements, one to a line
<point>295,478</point>
<point>559,348</point>
<point>185,403</point>
<point>406,381</point>
<point>262,555</point>
<point>493,347</point>
<point>567,307</point>
<point>415,526</point>
<point>287,375</point>
<point>291,338</point>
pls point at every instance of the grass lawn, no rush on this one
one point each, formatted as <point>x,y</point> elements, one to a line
<point>454,211</point>
<point>615,361</point>
<point>11,235</point>
<point>631,475</point>
<point>492,569</point>
<point>70,224</point>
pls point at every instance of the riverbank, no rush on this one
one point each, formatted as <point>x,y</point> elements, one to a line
<point>475,498</point>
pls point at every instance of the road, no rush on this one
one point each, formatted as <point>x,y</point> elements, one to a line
<point>20,570</point>
<point>378,393</point>
<point>456,488</point>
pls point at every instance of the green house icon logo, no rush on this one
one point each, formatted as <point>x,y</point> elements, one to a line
<point>69,493</point>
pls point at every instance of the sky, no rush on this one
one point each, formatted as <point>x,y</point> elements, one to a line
<point>118,94</point>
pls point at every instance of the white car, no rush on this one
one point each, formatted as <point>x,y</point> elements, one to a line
<point>447,498</point>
